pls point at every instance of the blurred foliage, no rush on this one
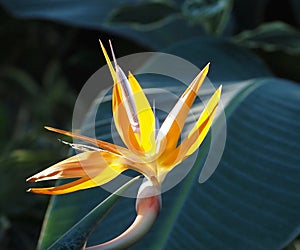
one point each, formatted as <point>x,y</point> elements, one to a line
<point>144,14</point>
<point>34,92</point>
<point>43,65</point>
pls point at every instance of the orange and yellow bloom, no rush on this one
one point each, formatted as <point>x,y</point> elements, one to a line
<point>150,150</point>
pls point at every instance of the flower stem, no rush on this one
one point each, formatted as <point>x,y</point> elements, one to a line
<point>148,205</point>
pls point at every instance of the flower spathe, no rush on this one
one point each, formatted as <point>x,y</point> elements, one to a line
<point>150,150</point>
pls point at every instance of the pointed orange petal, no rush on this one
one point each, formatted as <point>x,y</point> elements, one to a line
<point>196,136</point>
<point>101,144</point>
<point>62,189</point>
<point>80,184</point>
<point>122,94</point>
<point>68,168</point>
<point>88,163</point>
<point>200,130</point>
<point>94,168</point>
<point>119,111</point>
<point>126,115</point>
<point>122,122</point>
<point>171,128</point>
<point>111,68</point>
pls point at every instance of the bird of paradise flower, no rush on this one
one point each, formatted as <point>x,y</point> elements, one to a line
<point>152,150</point>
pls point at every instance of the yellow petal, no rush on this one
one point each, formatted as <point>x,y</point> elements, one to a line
<point>82,183</point>
<point>111,68</point>
<point>122,122</point>
<point>145,116</point>
<point>196,136</point>
<point>171,128</point>
<point>95,169</point>
<point>62,189</point>
<point>200,130</point>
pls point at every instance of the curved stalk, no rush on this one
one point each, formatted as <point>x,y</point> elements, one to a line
<point>148,205</point>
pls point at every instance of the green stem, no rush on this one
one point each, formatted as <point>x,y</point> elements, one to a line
<point>148,205</point>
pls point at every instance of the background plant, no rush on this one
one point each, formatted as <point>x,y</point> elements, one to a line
<point>49,49</point>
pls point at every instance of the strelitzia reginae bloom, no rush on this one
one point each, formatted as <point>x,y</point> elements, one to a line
<point>152,150</point>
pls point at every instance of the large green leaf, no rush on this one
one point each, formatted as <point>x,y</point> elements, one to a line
<point>144,15</point>
<point>278,44</point>
<point>274,36</point>
<point>212,15</point>
<point>103,15</point>
<point>252,200</point>
<point>229,62</point>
